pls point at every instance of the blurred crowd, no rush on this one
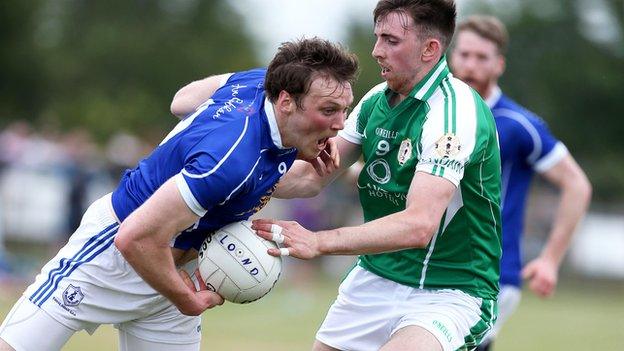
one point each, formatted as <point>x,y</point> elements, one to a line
<point>48,178</point>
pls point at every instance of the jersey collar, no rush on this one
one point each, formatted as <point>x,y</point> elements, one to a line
<point>494,96</point>
<point>275,134</point>
<point>427,86</point>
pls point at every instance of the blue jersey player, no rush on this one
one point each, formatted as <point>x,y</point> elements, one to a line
<point>220,164</point>
<point>526,147</point>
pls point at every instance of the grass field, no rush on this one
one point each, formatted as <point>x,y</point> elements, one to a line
<point>578,318</point>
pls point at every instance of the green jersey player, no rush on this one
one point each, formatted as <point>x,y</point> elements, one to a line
<point>427,274</point>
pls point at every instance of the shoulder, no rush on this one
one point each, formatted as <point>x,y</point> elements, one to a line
<point>456,106</point>
<point>513,116</point>
<point>374,92</point>
<point>237,139</point>
<point>252,74</point>
<point>454,94</point>
<point>369,99</point>
<point>358,118</point>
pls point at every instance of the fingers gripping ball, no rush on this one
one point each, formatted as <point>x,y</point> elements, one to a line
<point>234,262</point>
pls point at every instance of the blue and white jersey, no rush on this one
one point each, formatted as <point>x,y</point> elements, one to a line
<point>226,159</point>
<point>526,147</point>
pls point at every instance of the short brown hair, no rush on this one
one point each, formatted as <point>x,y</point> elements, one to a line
<point>298,63</point>
<point>488,27</point>
<point>436,18</point>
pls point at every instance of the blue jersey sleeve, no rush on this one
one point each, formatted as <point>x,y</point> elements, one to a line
<point>534,142</point>
<point>550,150</point>
<point>216,167</point>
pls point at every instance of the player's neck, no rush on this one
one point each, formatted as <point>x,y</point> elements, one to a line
<point>488,91</point>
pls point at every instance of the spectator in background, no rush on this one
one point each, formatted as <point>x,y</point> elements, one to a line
<point>527,147</point>
<point>13,143</point>
<point>80,153</point>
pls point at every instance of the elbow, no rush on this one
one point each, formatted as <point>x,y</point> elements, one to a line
<point>582,188</point>
<point>421,232</point>
<point>178,107</point>
<point>586,191</point>
<point>123,241</point>
<point>122,244</point>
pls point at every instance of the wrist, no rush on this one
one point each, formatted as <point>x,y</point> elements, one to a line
<point>551,258</point>
<point>321,243</point>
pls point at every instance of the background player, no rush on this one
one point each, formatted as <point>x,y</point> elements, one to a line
<point>218,165</point>
<point>526,147</point>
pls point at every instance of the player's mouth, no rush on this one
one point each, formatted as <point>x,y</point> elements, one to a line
<point>384,70</point>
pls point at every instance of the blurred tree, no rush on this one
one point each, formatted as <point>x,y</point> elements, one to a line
<point>557,67</point>
<point>110,65</point>
<point>20,71</point>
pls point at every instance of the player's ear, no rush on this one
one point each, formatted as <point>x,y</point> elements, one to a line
<point>431,50</point>
<point>500,65</point>
<point>285,102</point>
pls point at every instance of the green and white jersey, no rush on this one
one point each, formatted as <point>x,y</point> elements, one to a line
<point>443,128</point>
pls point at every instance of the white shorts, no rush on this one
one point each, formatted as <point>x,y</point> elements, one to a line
<point>89,283</point>
<point>369,309</point>
<point>508,301</point>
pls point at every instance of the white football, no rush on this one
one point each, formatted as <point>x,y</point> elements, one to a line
<point>234,263</point>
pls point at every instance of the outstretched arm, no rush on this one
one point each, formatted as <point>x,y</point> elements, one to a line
<point>143,239</point>
<point>573,202</point>
<point>192,95</point>
<point>308,178</point>
<point>427,199</point>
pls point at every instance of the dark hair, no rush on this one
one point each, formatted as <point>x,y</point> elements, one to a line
<point>298,63</point>
<point>436,18</point>
<point>488,27</point>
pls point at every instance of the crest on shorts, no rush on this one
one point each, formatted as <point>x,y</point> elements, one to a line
<point>405,151</point>
<point>72,296</point>
<point>448,145</point>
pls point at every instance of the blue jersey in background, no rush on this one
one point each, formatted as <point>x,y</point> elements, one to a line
<point>527,146</point>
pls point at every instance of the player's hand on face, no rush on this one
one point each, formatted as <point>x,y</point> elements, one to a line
<point>203,298</point>
<point>328,160</point>
<point>542,276</point>
<point>293,239</point>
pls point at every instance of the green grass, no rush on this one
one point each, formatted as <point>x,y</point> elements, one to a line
<point>576,319</point>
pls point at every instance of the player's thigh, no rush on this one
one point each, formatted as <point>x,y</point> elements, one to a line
<point>167,326</point>
<point>412,338</point>
<point>508,301</point>
<point>319,346</point>
<point>28,327</point>
<point>129,342</point>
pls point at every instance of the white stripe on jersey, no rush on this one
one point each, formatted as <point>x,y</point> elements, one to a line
<point>433,129</point>
<point>552,158</point>
<point>188,196</point>
<point>524,122</point>
<point>423,90</point>
<point>240,137</point>
<point>505,175</point>
<point>246,178</point>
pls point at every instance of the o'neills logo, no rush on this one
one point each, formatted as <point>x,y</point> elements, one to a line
<point>405,151</point>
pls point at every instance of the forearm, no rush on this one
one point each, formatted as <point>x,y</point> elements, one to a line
<point>398,231</point>
<point>192,95</point>
<point>301,181</point>
<point>154,263</point>
<point>573,203</point>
